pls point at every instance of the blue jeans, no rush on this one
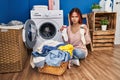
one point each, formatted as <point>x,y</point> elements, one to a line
<point>79,54</point>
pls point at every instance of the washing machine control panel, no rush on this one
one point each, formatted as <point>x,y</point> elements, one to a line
<point>47,14</point>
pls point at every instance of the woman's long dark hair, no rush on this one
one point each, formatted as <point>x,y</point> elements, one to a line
<point>79,14</point>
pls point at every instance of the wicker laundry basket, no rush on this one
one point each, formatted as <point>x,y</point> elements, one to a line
<point>13,52</point>
<point>53,69</point>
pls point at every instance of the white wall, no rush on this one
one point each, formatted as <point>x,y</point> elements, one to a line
<point>116,8</point>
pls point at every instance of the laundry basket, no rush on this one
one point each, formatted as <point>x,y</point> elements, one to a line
<point>13,52</point>
<point>53,69</point>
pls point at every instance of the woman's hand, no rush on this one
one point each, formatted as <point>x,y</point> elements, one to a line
<point>86,29</point>
<point>62,28</point>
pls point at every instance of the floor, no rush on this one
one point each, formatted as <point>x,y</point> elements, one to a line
<point>99,65</point>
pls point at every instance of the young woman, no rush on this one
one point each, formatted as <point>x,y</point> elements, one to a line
<point>75,35</point>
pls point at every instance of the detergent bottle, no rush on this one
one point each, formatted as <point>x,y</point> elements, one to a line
<point>108,5</point>
<point>102,5</point>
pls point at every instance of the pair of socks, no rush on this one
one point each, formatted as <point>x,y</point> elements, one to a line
<point>64,34</point>
<point>82,33</point>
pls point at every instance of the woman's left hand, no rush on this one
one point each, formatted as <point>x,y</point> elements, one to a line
<point>85,28</point>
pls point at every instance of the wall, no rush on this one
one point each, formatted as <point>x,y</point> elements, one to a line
<point>3,11</point>
<point>38,2</point>
<point>20,9</point>
<point>84,5</point>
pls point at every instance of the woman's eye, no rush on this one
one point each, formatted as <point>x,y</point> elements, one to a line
<point>72,16</point>
<point>76,16</point>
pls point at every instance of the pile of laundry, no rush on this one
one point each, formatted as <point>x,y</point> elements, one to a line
<point>52,53</point>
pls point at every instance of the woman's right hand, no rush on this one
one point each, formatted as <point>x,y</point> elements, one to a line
<point>62,28</point>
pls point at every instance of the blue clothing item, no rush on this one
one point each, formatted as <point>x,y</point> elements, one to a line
<point>77,53</point>
<point>60,45</point>
<point>55,57</point>
<point>46,48</point>
<point>35,54</point>
<point>45,51</point>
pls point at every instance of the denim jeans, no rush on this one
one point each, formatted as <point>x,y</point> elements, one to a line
<point>79,54</point>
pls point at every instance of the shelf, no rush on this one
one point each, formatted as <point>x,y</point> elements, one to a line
<point>102,40</point>
<point>107,32</point>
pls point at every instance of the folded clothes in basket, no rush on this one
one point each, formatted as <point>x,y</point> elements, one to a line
<point>11,27</point>
<point>14,24</point>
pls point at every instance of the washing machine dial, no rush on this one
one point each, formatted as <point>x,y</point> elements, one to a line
<point>47,15</point>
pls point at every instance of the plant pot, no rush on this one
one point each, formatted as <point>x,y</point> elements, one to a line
<point>95,10</point>
<point>104,27</point>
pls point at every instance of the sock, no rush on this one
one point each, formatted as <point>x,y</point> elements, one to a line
<point>64,34</point>
<point>82,32</point>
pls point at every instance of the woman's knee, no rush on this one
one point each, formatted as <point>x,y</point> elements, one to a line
<point>79,53</point>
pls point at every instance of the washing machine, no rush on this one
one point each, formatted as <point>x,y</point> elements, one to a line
<point>43,25</point>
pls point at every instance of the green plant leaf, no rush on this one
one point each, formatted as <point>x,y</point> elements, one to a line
<point>95,6</point>
<point>104,22</point>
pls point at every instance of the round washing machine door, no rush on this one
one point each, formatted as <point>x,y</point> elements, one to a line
<point>49,29</point>
<point>29,33</point>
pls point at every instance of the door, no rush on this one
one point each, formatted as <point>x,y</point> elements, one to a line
<point>30,34</point>
<point>116,8</point>
<point>47,30</point>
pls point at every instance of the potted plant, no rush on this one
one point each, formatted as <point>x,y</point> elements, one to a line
<point>95,7</point>
<point>104,23</point>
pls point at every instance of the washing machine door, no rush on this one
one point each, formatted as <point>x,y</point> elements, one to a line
<point>49,29</point>
<point>30,33</point>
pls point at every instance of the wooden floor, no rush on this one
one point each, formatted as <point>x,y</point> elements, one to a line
<point>99,65</point>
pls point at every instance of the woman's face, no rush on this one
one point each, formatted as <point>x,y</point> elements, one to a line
<point>74,18</point>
